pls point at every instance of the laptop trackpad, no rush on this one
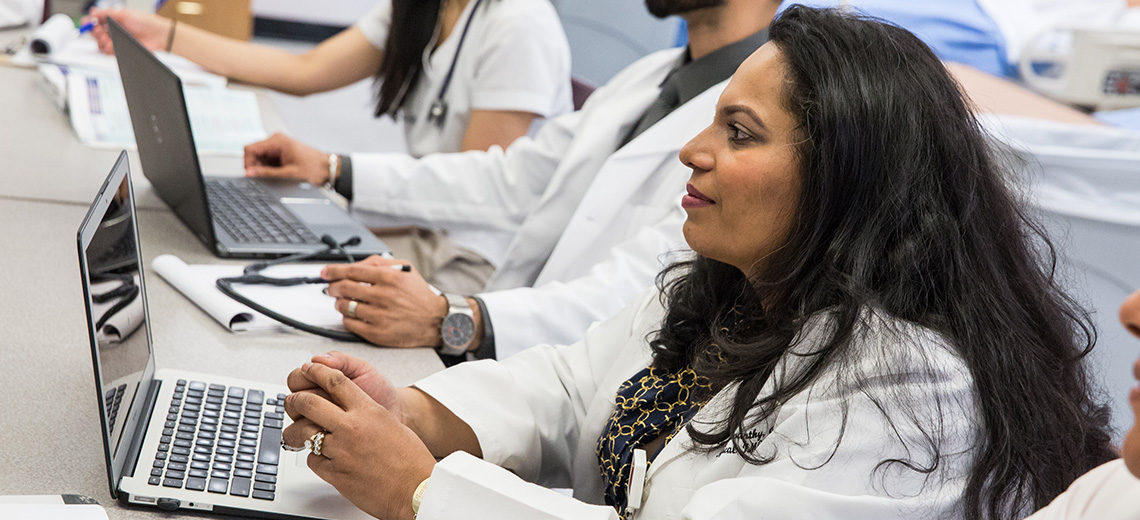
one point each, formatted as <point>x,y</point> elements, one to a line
<point>316,212</point>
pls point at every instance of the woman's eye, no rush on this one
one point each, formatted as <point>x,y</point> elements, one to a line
<point>735,134</point>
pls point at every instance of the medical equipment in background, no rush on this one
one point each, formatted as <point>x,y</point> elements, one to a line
<point>1092,67</point>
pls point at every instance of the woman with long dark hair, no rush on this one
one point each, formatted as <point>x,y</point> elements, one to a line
<point>510,58</point>
<point>869,327</point>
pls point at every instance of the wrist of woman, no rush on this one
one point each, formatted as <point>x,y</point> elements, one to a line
<point>406,398</point>
<point>418,497</point>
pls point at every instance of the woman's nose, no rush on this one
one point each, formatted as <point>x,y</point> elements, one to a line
<point>696,155</point>
<point>1130,313</point>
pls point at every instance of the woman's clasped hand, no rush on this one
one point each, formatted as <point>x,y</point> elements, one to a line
<point>367,452</point>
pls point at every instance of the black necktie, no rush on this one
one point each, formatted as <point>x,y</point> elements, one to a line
<point>665,103</point>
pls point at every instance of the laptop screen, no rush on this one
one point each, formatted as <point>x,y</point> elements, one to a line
<point>111,271</point>
<point>162,132</point>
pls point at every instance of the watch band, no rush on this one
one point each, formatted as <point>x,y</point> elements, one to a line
<point>486,348</point>
<point>457,309</point>
<point>343,184</point>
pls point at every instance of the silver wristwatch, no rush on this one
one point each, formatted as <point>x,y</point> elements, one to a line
<point>458,328</point>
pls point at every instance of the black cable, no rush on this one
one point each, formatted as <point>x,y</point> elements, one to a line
<point>251,276</point>
<point>224,285</point>
<point>126,292</point>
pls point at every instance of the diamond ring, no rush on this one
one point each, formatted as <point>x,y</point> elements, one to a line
<point>317,440</point>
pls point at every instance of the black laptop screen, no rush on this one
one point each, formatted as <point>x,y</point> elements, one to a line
<point>112,277</point>
<point>162,132</point>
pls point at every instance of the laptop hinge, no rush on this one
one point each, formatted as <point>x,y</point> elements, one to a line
<point>140,428</point>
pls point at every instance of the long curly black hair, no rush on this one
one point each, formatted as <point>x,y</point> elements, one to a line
<point>903,208</point>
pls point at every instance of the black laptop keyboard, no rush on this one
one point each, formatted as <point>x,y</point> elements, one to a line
<point>253,215</point>
<point>221,440</point>
<point>111,401</point>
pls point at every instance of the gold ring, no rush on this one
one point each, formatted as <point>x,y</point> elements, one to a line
<point>316,442</point>
<point>352,309</point>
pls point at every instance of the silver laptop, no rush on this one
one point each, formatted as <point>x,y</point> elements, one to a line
<point>175,439</point>
<point>236,217</point>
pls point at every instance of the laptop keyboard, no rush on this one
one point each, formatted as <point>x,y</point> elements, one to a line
<point>220,440</point>
<point>111,401</point>
<point>253,215</point>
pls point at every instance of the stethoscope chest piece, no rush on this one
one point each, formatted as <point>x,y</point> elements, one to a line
<point>437,112</point>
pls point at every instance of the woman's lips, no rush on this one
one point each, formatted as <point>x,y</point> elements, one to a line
<point>1134,395</point>
<point>694,198</point>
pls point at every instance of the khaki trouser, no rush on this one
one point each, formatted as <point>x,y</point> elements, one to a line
<point>450,268</point>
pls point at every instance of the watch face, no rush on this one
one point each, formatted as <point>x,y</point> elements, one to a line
<point>457,330</point>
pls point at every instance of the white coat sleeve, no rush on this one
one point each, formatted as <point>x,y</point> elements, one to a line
<point>466,487</point>
<point>558,312</point>
<point>493,189</point>
<point>527,411</point>
<point>376,23</point>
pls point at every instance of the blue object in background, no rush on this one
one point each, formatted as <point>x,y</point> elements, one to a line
<point>682,34</point>
<point>957,30</point>
<point>1127,118</point>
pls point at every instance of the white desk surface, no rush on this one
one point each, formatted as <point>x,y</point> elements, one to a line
<point>43,160</point>
<point>49,425</point>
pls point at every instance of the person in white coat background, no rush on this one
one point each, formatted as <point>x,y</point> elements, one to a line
<point>511,65</point>
<point>591,203</point>
<point>865,330</point>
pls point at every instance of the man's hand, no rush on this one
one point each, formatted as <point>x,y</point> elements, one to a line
<point>282,156</point>
<point>393,308</point>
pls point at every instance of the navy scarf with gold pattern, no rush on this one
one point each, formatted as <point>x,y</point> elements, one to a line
<point>650,404</point>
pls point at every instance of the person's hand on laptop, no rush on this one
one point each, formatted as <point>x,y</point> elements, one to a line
<point>283,156</point>
<point>367,453</point>
<point>392,308</point>
<point>378,387</point>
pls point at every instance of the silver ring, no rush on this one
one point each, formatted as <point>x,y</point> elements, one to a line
<point>286,447</point>
<point>352,309</point>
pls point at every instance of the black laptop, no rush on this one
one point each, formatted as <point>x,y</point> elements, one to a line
<point>237,217</point>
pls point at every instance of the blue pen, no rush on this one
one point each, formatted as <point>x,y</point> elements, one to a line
<point>86,28</point>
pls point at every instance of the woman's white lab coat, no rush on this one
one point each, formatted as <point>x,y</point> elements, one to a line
<point>591,223</point>
<point>539,415</point>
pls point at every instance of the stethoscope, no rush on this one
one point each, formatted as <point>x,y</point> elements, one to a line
<point>126,292</point>
<point>438,110</point>
<point>251,275</point>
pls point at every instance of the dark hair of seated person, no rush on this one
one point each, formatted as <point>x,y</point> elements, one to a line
<point>904,208</point>
<point>412,29</point>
